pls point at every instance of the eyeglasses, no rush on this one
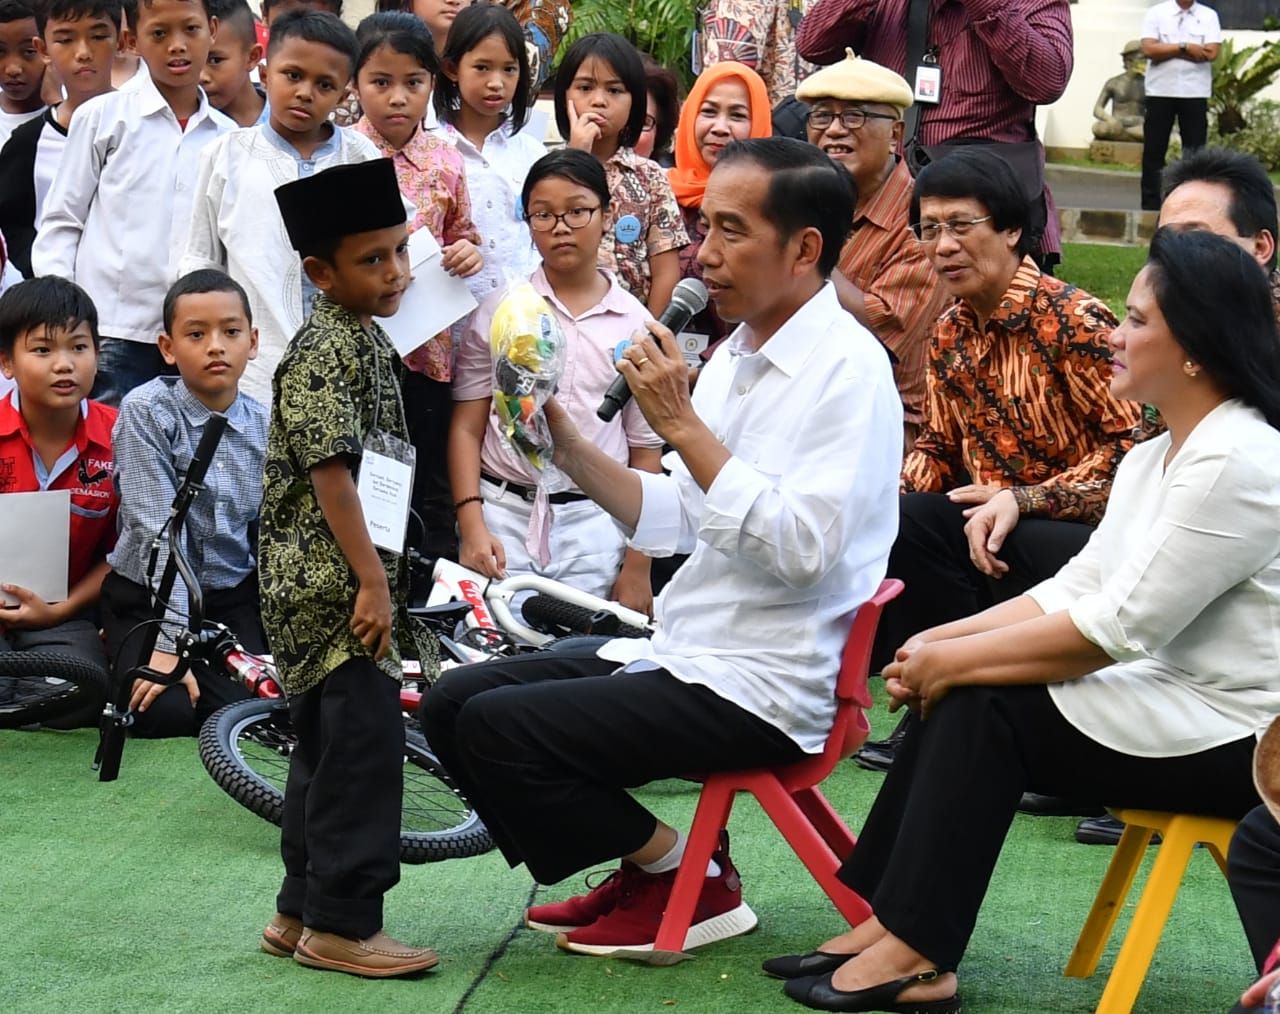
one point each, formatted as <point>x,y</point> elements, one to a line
<point>929,232</point>
<point>850,119</point>
<point>650,123</point>
<point>574,218</point>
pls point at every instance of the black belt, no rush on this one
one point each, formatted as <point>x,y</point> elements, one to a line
<point>530,493</point>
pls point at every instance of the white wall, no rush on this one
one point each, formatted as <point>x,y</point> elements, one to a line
<point>1102,27</point>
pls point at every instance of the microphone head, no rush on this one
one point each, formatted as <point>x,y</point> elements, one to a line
<point>691,294</point>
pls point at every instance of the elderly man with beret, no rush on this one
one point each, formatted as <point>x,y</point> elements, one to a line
<point>884,277</point>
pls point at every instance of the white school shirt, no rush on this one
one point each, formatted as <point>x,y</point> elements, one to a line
<point>795,531</point>
<point>1180,584</point>
<point>1178,78</point>
<point>9,122</point>
<point>236,227</point>
<point>50,148</point>
<point>495,178</point>
<point>115,221</point>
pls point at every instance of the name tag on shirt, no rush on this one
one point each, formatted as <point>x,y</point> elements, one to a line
<point>692,345</point>
<point>928,86</point>
<point>384,486</point>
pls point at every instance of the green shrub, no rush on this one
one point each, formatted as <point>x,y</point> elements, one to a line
<point>1260,136</point>
<point>661,28</point>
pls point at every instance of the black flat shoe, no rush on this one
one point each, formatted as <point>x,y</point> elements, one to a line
<point>817,993</point>
<point>797,966</point>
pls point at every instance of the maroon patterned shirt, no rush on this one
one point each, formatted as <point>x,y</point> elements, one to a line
<point>1000,59</point>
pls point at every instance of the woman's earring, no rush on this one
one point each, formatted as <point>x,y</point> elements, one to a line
<point>1190,369</point>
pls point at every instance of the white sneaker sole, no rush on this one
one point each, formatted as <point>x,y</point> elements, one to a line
<point>546,927</point>
<point>721,927</point>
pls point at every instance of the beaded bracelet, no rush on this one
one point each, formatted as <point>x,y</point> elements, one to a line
<point>466,500</point>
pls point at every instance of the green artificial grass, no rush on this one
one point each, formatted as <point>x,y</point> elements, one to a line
<point>148,894</point>
<point>1102,270</point>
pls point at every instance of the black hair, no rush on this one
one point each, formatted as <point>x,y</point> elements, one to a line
<point>1253,195</point>
<point>1217,301</point>
<point>580,167</point>
<point>332,6</point>
<point>401,33</point>
<point>319,27</point>
<point>471,27</point>
<point>148,4</point>
<point>198,282</point>
<point>662,85</point>
<point>16,10</point>
<point>977,173</point>
<point>238,16</point>
<point>625,60</point>
<point>322,249</point>
<point>807,190</point>
<point>74,10</point>
<point>49,301</point>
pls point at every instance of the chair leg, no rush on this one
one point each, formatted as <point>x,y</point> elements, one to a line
<point>835,832</point>
<point>1107,904</point>
<point>1148,922</point>
<point>711,816</point>
<point>814,848</point>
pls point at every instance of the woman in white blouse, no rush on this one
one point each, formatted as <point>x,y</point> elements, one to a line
<point>1139,675</point>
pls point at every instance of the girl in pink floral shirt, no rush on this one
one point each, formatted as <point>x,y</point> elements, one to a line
<point>395,73</point>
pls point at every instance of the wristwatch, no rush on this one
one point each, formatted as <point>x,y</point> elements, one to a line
<point>1182,47</point>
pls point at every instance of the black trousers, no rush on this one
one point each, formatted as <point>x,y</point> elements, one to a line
<point>931,555</point>
<point>124,604</point>
<point>340,832</point>
<point>927,851</point>
<point>544,745</point>
<point>428,409</point>
<point>1193,125</point>
<point>1253,872</point>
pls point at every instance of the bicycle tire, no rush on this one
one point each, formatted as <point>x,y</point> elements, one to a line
<point>245,747</point>
<point>39,685</point>
<point>555,616</point>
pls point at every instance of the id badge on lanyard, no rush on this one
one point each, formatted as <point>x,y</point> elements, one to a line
<point>385,482</point>
<point>928,80</point>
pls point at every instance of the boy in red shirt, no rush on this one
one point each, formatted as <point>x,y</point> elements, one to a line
<point>53,438</point>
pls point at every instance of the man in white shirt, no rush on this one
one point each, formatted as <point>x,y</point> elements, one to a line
<point>1181,39</point>
<point>783,487</point>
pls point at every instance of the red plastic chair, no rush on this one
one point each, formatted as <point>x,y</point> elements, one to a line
<point>789,795</point>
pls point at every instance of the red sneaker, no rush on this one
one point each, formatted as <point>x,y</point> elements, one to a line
<point>583,909</point>
<point>633,923</point>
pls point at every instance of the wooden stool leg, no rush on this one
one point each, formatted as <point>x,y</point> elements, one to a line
<point>1148,922</point>
<point>1107,904</point>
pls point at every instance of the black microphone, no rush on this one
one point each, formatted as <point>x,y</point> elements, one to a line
<point>203,456</point>
<point>688,298</point>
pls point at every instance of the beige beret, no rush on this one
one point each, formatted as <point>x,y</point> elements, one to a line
<point>856,80</point>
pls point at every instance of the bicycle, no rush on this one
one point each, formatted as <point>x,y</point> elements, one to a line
<point>36,686</point>
<point>245,746</point>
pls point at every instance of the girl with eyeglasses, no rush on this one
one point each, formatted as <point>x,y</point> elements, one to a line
<point>510,519</point>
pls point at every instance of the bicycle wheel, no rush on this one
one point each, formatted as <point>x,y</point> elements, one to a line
<point>246,747</point>
<point>38,685</point>
<point>555,616</point>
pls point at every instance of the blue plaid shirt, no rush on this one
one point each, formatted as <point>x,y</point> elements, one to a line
<point>154,439</point>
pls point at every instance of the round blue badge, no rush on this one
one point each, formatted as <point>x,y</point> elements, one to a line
<point>628,229</point>
<point>620,349</point>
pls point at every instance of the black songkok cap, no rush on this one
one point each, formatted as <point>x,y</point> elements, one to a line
<point>341,201</point>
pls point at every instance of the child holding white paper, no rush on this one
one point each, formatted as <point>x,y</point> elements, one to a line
<point>395,72</point>
<point>52,437</point>
<point>234,223</point>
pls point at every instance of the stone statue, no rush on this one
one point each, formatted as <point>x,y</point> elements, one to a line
<point>1127,95</point>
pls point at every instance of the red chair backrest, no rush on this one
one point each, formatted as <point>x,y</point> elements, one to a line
<point>852,692</point>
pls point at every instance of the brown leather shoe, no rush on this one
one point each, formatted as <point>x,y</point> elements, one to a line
<point>378,957</point>
<point>281,935</point>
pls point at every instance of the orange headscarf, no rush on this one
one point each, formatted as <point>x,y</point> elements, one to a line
<point>689,177</point>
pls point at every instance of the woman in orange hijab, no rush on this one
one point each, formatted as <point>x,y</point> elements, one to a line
<point>728,102</point>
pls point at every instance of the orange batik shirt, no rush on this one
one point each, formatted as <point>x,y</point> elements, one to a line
<point>1025,401</point>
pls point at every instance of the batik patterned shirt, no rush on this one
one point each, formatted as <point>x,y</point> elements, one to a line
<point>760,34</point>
<point>640,193</point>
<point>431,175</point>
<point>1025,400</point>
<point>336,384</point>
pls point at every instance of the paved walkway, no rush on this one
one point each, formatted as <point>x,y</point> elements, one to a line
<point>1095,189</point>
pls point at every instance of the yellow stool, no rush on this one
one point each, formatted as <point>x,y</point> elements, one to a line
<point>1181,833</point>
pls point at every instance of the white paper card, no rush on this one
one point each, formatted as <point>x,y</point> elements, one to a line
<point>928,87</point>
<point>692,345</point>
<point>434,300</point>
<point>384,487</point>
<point>35,537</point>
